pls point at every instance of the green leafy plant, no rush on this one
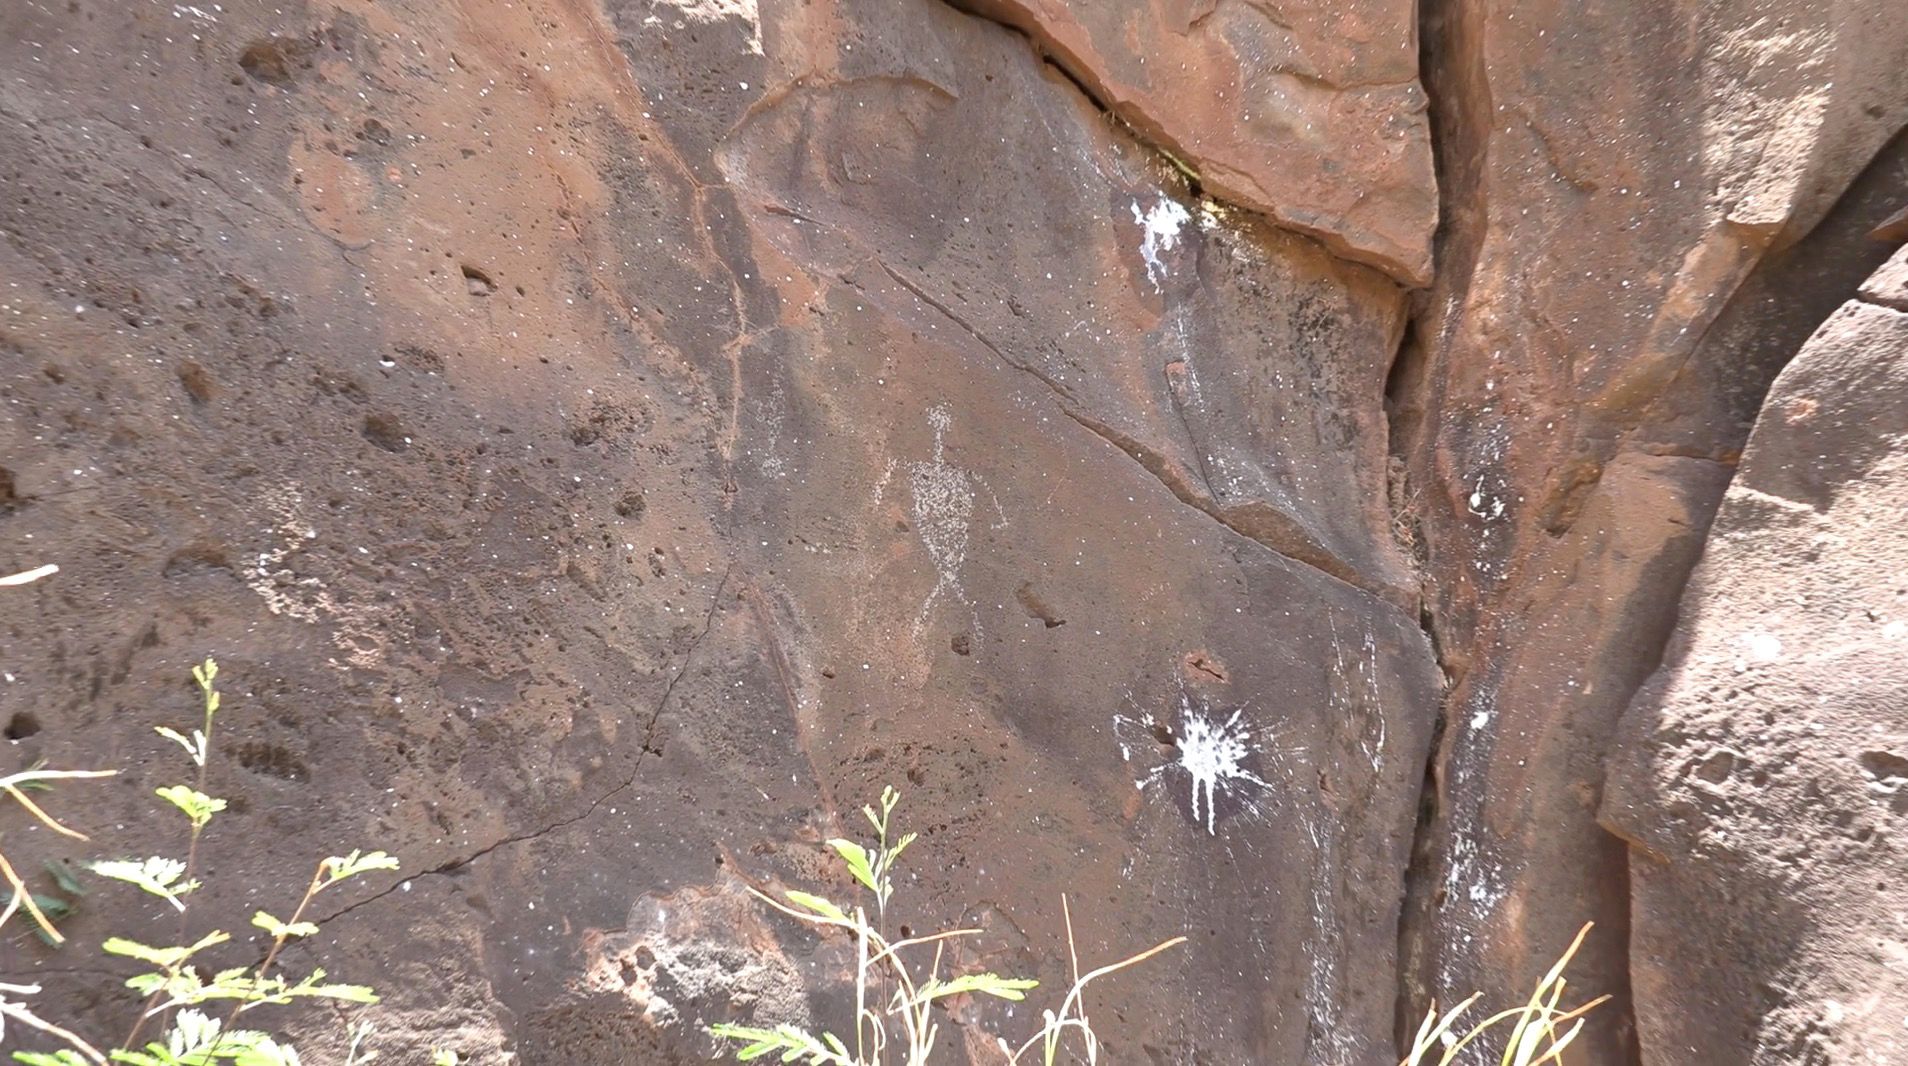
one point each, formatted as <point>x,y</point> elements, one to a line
<point>178,992</point>
<point>1540,1029</point>
<point>902,1017</point>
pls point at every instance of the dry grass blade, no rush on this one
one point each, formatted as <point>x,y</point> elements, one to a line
<point>1130,960</point>
<point>12,783</point>
<point>19,1013</point>
<point>15,785</point>
<point>1072,1014</point>
<point>28,577</point>
<point>1535,1036</point>
<point>899,944</point>
<point>910,993</point>
<point>22,896</point>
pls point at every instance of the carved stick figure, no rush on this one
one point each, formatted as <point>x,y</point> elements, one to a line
<point>941,501</point>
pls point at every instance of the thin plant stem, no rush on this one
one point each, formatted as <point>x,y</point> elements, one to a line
<point>22,896</point>
<point>28,1018</point>
<point>278,944</point>
<point>14,785</point>
<point>205,675</point>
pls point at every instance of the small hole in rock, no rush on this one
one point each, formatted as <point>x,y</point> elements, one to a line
<point>22,725</point>
<point>477,282</point>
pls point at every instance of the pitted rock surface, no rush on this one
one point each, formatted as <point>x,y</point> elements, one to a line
<point>1233,463</point>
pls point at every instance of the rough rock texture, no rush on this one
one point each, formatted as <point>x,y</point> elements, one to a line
<point>605,441</point>
<point>1620,277</point>
<point>1762,774</point>
<point>1311,113</point>
<point>604,445</point>
<point>1889,285</point>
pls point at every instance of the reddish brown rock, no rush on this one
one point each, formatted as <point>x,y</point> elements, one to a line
<point>603,447</point>
<point>605,442</point>
<point>1624,195</point>
<point>1762,775</point>
<point>1311,113</point>
<point>1889,285</point>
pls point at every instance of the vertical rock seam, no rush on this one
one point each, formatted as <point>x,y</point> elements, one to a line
<point>1456,84</point>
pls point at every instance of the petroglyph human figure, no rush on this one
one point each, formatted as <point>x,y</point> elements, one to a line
<point>941,502</point>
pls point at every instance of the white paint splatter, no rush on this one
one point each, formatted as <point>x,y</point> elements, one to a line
<point>1213,754</point>
<point>1483,505</point>
<point>1214,757</point>
<point>1161,225</point>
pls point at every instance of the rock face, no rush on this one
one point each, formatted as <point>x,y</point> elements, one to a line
<point>604,446</point>
<point>1311,113</point>
<point>1761,776</point>
<point>1627,189</point>
<point>606,441</point>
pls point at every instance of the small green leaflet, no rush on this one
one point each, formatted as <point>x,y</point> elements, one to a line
<point>197,805</point>
<point>819,906</point>
<point>275,990</point>
<point>283,929</point>
<point>887,861</point>
<point>63,877</point>
<point>860,863</point>
<point>186,986</point>
<point>337,868</point>
<point>196,1040</point>
<point>793,1043</point>
<point>157,875</point>
<point>194,746</point>
<point>34,784</point>
<point>992,984</point>
<point>62,1057</point>
<point>205,672</point>
<point>55,909</point>
<point>164,958</point>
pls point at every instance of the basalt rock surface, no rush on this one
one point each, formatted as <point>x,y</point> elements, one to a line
<point>605,441</point>
<point>1647,210</point>
<point>1312,113</point>
<point>1761,776</point>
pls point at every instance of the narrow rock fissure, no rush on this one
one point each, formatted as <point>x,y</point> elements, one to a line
<point>1187,171</point>
<point>1457,126</point>
<point>1287,548</point>
<point>1274,533</point>
<point>648,748</point>
<point>1455,249</point>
